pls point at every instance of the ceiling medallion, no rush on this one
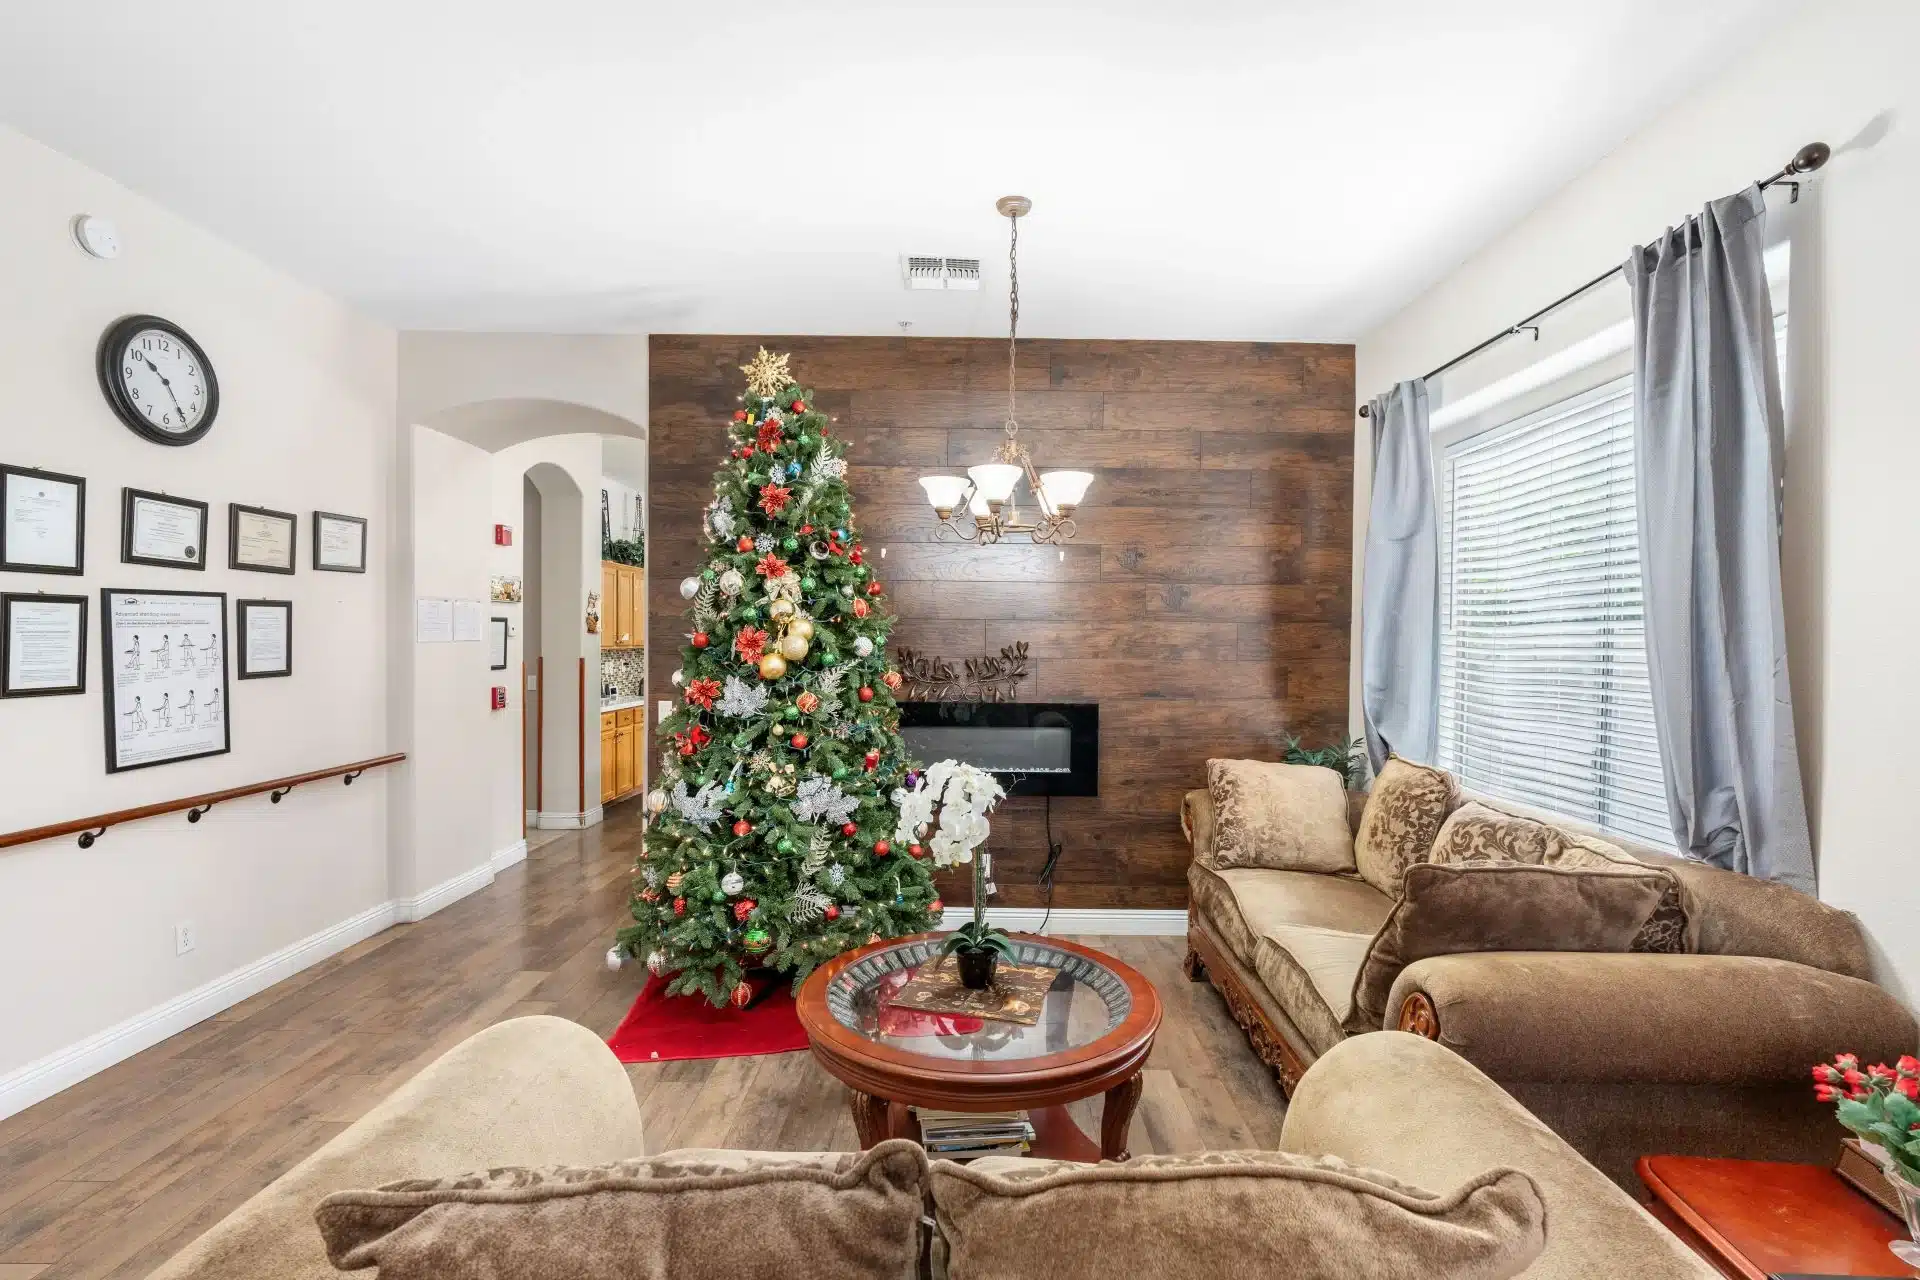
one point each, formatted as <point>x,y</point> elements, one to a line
<point>987,492</point>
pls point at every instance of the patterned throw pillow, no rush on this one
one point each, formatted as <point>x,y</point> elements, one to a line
<point>1286,817</point>
<point>1403,814</point>
<point>1480,833</point>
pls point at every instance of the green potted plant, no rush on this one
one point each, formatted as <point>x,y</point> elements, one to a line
<point>952,800</point>
<point>1348,759</point>
<point>1882,1106</point>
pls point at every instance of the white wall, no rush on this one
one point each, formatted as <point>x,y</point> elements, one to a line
<point>1840,73</point>
<point>306,422</point>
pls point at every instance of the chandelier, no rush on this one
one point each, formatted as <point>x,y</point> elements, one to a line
<point>986,493</point>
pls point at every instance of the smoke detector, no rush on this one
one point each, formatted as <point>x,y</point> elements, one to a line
<point>939,273</point>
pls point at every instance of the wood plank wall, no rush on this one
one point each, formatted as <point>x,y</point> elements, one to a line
<point>1204,604</point>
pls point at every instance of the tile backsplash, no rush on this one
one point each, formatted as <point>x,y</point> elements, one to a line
<point>624,669</point>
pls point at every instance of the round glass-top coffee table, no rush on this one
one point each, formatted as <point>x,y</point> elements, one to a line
<point>1095,1028</point>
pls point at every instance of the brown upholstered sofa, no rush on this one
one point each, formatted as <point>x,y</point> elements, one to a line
<point>544,1091</point>
<point>1625,1054</point>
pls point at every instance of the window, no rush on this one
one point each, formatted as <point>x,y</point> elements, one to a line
<point>1544,695</point>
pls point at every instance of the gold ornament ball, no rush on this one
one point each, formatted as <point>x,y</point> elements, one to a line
<point>772,667</point>
<point>793,647</point>
<point>802,627</point>
<point>781,610</point>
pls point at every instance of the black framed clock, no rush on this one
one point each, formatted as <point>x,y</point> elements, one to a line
<point>157,379</point>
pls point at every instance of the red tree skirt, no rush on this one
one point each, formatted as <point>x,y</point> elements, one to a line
<point>664,1028</point>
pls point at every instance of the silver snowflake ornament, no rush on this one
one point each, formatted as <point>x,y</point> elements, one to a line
<point>739,699</point>
<point>701,810</point>
<point>818,799</point>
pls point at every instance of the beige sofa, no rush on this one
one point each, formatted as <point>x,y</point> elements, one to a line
<point>1621,1054</point>
<point>541,1090</point>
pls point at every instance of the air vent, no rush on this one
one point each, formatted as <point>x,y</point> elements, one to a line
<point>940,273</point>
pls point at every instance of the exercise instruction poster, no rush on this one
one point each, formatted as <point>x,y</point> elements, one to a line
<point>166,668</point>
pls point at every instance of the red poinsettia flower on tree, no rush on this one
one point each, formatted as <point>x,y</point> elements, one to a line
<point>770,566</point>
<point>770,436</point>
<point>692,740</point>
<point>750,644</point>
<point>774,498</point>
<point>702,692</point>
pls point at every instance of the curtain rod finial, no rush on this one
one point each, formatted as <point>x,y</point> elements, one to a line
<point>1810,157</point>
<point>1366,411</point>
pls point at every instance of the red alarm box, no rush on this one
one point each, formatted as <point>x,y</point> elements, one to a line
<point>503,535</point>
<point>499,697</point>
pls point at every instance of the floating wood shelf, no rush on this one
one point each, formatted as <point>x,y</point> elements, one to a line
<point>91,829</point>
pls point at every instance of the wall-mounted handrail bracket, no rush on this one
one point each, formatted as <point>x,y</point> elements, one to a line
<point>278,795</point>
<point>350,777</point>
<point>88,837</point>
<point>196,813</point>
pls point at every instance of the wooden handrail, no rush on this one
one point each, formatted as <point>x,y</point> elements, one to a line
<point>93,828</point>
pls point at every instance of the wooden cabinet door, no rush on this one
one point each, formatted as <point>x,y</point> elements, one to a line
<point>609,761</point>
<point>623,760</point>
<point>609,595</point>
<point>637,624</point>
<point>623,585</point>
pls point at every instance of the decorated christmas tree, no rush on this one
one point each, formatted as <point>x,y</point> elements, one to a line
<point>770,829</point>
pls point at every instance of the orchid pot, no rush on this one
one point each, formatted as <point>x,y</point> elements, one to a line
<point>952,801</point>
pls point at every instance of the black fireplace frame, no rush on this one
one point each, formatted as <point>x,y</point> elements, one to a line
<point>1082,721</point>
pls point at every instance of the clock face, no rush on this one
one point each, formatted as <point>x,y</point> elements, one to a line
<point>158,380</point>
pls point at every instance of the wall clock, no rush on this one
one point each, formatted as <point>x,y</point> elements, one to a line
<point>158,380</point>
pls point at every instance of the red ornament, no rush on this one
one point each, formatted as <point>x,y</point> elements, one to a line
<point>881,848</point>
<point>873,588</point>
<point>806,528</point>
<point>916,851</point>
<point>750,644</point>
<point>742,909</point>
<point>739,415</point>
<point>774,499</point>
<point>742,996</point>
<point>855,557</point>
<point>936,907</point>
<point>833,912</point>
<point>745,543</point>
<point>679,906</point>
<point>808,703</point>
<point>770,566</point>
<point>891,680</point>
<point>799,406</point>
<point>848,829</point>
<point>799,741</point>
<point>742,827</point>
<point>866,693</point>
<point>649,895</point>
<point>702,692</point>
<point>861,608</point>
<point>700,640</point>
<point>872,760</point>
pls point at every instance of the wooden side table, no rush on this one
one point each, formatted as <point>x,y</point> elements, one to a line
<point>1756,1218</point>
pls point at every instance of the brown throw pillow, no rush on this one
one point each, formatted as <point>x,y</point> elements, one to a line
<point>1229,1213</point>
<point>1451,909</point>
<point>1286,817</point>
<point>683,1215</point>
<point>1403,814</point>
<point>1478,832</point>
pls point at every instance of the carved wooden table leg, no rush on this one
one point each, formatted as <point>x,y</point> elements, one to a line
<point>870,1118</point>
<point>1196,967</point>
<point>1116,1118</point>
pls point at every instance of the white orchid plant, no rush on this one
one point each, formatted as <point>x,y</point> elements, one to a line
<point>954,800</point>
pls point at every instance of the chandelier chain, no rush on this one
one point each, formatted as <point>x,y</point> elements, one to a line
<point>1013,317</point>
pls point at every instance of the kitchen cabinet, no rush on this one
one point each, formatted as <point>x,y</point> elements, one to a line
<point>623,606</point>
<point>620,748</point>
<point>607,739</point>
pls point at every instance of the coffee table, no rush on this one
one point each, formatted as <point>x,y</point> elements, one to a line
<point>1095,1030</point>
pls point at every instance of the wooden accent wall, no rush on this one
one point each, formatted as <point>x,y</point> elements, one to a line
<point>1204,604</point>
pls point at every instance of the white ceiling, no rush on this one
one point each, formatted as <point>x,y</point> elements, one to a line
<point>1224,169</point>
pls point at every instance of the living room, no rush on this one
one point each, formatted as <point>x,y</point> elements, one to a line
<point>1426,462</point>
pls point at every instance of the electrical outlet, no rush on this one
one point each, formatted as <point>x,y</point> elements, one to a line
<point>183,938</point>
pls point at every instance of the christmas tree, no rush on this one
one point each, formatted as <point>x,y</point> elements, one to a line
<point>770,826</point>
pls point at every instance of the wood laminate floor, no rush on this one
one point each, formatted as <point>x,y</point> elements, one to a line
<point>114,1175</point>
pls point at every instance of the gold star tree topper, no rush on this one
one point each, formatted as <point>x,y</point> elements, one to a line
<point>767,375</point>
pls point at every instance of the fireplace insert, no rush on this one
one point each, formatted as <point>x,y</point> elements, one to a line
<point>1034,748</point>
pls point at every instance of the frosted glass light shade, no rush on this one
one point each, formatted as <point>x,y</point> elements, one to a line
<point>996,480</point>
<point>1064,489</point>
<point>943,492</point>
<point>978,506</point>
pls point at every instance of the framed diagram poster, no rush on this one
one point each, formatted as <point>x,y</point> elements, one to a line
<point>164,658</point>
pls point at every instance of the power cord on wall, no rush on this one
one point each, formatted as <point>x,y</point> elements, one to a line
<point>1054,850</point>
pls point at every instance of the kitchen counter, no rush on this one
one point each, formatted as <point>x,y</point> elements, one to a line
<point>621,704</point>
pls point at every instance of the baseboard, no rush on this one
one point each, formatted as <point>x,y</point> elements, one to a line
<point>564,821</point>
<point>532,817</point>
<point>444,894</point>
<point>41,1079</point>
<point>1078,920</point>
<point>507,857</point>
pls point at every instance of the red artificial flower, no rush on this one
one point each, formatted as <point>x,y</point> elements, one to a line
<point>1846,1062</point>
<point>1824,1074</point>
<point>1854,1079</point>
<point>750,644</point>
<point>1909,1087</point>
<point>702,692</point>
<point>774,498</point>
<point>770,436</point>
<point>1825,1093</point>
<point>1908,1065</point>
<point>692,740</point>
<point>742,909</point>
<point>770,566</point>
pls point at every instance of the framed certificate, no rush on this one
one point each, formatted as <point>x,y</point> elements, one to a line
<point>157,529</point>
<point>164,658</point>
<point>43,645</point>
<point>265,628</point>
<point>497,644</point>
<point>43,521</point>
<point>339,543</point>
<point>261,540</point>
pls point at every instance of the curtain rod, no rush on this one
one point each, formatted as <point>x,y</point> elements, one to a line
<point>1805,160</point>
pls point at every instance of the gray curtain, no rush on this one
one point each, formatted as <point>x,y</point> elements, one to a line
<point>1400,597</point>
<point>1708,447</point>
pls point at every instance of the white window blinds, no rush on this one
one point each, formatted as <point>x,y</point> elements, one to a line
<point>1543,670</point>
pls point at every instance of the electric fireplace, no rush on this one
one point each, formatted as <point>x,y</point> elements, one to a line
<point>1034,748</point>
